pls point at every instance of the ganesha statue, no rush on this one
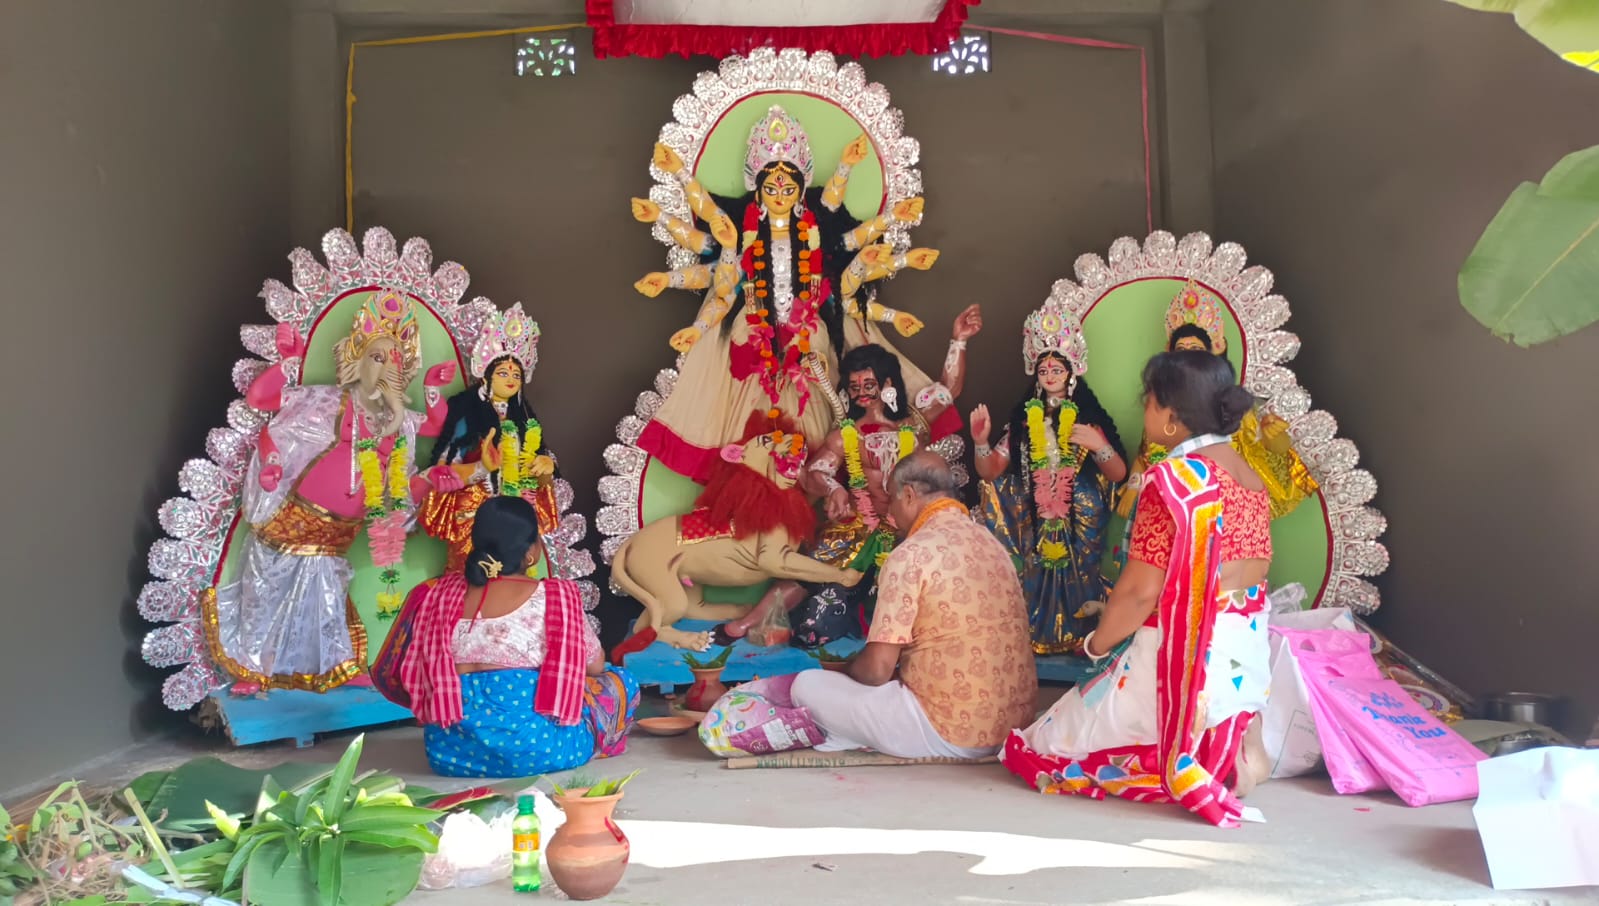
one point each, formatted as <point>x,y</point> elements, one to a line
<point>287,549</point>
<point>333,461</point>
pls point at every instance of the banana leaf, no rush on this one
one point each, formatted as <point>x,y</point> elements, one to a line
<point>1570,28</point>
<point>180,795</point>
<point>1533,274</point>
<point>368,876</point>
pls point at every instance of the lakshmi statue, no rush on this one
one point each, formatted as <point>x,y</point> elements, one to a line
<point>882,424</point>
<point>491,442</point>
<point>1194,322</point>
<point>332,461</point>
<point>772,291</point>
<point>1047,484</point>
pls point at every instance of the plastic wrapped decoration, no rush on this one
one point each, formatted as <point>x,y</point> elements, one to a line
<point>204,521</point>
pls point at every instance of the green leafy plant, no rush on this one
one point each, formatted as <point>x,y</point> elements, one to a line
<point>715,663</point>
<point>1532,276</point>
<point>1570,28</point>
<point>340,840</point>
<point>15,873</point>
<point>591,788</point>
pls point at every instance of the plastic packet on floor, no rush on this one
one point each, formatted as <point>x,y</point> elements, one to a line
<point>472,852</point>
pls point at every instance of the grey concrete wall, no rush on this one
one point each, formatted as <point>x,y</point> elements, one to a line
<point>143,201</point>
<point>526,181</point>
<point>1361,146</point>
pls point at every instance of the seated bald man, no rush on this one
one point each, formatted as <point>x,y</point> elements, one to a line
<point>948,666</point>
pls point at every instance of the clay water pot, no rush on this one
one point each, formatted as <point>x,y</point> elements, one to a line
<point>706,690</point>
<point>588,854</point>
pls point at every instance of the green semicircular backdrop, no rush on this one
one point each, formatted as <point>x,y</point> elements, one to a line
<point>1124,329</point>
<point>424,556</point>
<point>721,170</point>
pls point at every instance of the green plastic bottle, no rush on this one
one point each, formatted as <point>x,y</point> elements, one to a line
<point>525,847</point>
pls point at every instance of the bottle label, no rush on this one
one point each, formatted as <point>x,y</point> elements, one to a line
<point>525,843</point>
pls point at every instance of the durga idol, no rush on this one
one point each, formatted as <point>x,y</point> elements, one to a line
<point>772,295</point>
<point>333,461</point>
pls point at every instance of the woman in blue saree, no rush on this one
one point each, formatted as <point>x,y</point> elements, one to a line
<point>502,670</point>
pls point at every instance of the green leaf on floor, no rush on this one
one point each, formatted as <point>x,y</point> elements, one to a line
<point>181,795</point>
<point>1532,275</point>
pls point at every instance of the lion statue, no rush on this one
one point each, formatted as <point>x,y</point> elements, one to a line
<point>746,527</point>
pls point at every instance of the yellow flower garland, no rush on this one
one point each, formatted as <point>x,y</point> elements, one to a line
<point>399,474</point>
<point>852,454</point>
<point>510,460</point>
<point>1037,442</point>
<point>371,479</point>
<point>907,441</point>
<point>1068,420</point>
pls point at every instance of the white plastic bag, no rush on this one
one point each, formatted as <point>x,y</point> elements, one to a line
<point>1289,726</point>
<point>1538,814</point>
<point>471,852</point>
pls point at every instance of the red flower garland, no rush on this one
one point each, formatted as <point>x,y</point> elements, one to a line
<point>802,320</point>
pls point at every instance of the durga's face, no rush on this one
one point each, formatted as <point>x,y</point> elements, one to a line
<point>780,191</point>
<point>1190,344</point>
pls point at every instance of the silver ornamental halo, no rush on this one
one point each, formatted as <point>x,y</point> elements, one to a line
<point>766,70</point>
<point>201,519</point>
<point>1333,461</point>
<point>695,116</point>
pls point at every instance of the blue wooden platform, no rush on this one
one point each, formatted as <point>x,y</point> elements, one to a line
<point>662,665</point>
<point>1063,668</point>
<point>300,716</point>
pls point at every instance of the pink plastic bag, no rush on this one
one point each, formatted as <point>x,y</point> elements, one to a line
<point>1415,754</point>
<point>758,718</point>
<point>1315,650</point>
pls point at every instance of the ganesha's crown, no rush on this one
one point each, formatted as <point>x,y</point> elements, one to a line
<point>1053,329</point>
<point>1201,309</point>
<point>777,137</point>
<point>512,334</point>
<point>388,314</point>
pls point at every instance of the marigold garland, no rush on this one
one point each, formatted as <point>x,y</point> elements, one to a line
<point>1053,463</point>
<point>852,454</point>
<point>517,458</point>
<point>385,518</point>
<point>907,441</point>
<point>802,321</point>
<point>510,460</point>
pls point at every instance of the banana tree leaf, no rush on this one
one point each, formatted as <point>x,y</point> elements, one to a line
<point>1532,276</point>
<point>182,794</point>
<point>1570,28</point>
<point>370,876</point>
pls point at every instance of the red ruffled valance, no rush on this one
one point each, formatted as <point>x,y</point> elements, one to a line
<point>882,40</point>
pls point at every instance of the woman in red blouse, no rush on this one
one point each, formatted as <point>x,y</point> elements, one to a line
<point>1181,651</point>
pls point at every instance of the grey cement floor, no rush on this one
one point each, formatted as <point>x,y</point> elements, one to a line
<point>967,835</point>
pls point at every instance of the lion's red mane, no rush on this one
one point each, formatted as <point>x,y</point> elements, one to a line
<point>752,502</point>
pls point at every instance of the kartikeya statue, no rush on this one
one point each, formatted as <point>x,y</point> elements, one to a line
<point>334,460</point>
<point>1194,322</point>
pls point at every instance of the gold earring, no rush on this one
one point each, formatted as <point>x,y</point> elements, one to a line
<point>1170,431</point>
